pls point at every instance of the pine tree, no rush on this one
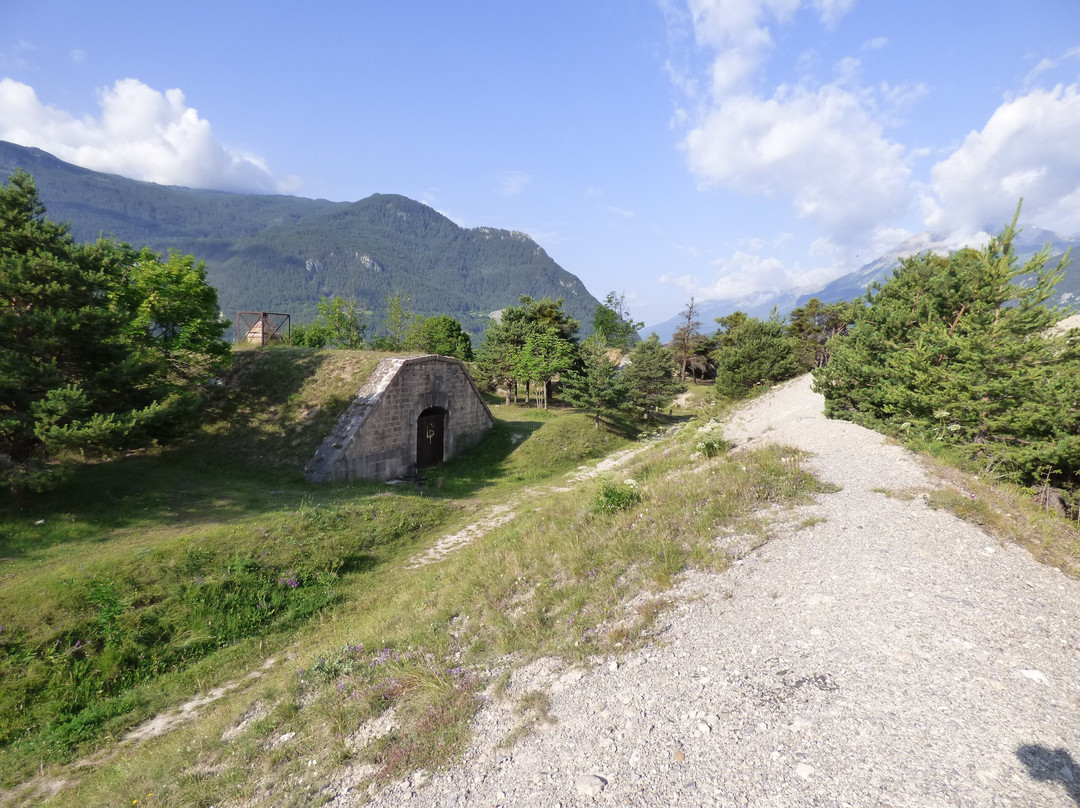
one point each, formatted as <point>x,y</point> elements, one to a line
<point>101,346</point>
<point>955,349</point>
<point>814,324</point>
<point>596,386</point>
<point>686,339</point>
<point>650,376</point>
<point>754,352</point>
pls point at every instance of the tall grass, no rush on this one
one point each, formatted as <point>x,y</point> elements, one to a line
<point>156,578</point>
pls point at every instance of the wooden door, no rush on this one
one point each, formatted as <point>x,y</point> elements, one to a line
<point>430,427</point>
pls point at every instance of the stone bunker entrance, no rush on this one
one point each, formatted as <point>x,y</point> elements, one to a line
<point>412,413</point>
<point>430,426</point>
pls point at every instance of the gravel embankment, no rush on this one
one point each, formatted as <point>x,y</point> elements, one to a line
<point>883,654</point>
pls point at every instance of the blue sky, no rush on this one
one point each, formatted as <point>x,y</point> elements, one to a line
<point>661,148</point>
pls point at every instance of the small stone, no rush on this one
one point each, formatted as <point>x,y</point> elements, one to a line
<point>804,770</point>
<point>679,756</point>
<point>1035,676</point>
<point>589,785</point>
<point>704,728</point>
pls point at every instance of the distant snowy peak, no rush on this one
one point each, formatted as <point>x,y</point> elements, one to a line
<point>1026,243</point>
<point>853,285</point>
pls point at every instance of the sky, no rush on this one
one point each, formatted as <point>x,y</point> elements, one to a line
<point>660,149</point>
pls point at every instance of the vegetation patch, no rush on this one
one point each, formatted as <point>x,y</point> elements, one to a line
<point>181,571</point>
<point>1009,512</point>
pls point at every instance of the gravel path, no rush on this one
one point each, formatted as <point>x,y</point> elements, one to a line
<point>883,654</point>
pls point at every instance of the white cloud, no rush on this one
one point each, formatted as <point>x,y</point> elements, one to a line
<point>824,146</point>
<point>1027,148</point>
<point>1047,64</point>
<point>511,183</point>
<point>141,133</point>
<point>821,147</point>
<point>832,10</point>
<point>744,274</point>
<point>737,31</point>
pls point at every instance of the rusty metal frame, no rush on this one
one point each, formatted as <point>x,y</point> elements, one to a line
<point>270,324</point>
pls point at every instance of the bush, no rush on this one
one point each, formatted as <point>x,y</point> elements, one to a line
<point>710,440</point>
<point>614,496</point>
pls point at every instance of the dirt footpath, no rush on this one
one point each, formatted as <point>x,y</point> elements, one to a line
<point>874,653</point>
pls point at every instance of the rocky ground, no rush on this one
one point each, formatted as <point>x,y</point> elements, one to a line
<point>876,652</point>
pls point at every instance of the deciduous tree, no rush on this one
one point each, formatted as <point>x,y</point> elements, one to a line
<point>613,320</point>
<point>440,335</point>
<point>686,338</point>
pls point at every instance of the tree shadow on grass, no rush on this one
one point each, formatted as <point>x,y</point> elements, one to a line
<point>1052,766</point>
<point>246,458</point>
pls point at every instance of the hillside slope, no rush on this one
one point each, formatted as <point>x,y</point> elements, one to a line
<point>279,253</point>
<point>875,652</point>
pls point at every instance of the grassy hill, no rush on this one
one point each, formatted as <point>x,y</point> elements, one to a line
<point>195,605</point>
<point>278,253</point>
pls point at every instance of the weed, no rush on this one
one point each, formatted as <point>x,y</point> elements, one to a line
<point>904,495</point>
<point>614,496</point>
<point>710,439</point>
<point>531,709</point>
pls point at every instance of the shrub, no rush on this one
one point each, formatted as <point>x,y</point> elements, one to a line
<point>710,440</point>
<point>614,496</point>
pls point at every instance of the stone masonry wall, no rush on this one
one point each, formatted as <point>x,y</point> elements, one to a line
<point>376,437</point>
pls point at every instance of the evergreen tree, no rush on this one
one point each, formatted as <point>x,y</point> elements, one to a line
<point>595,386</point>
<point>754,352</point>
<point>101,347</point>
<point>686,339</point>
<point>650,376</point>
<point>814,324</point>
<point>955,349</point>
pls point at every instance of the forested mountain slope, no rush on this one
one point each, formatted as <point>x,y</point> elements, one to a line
<point>280,253</point>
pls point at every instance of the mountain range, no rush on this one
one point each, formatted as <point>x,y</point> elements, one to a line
<point>283,253</point>
<point>854,284</point>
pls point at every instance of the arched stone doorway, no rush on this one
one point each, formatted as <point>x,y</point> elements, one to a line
<point>430,431</point>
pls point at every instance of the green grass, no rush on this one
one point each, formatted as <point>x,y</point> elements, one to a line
<point>158,577</point>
